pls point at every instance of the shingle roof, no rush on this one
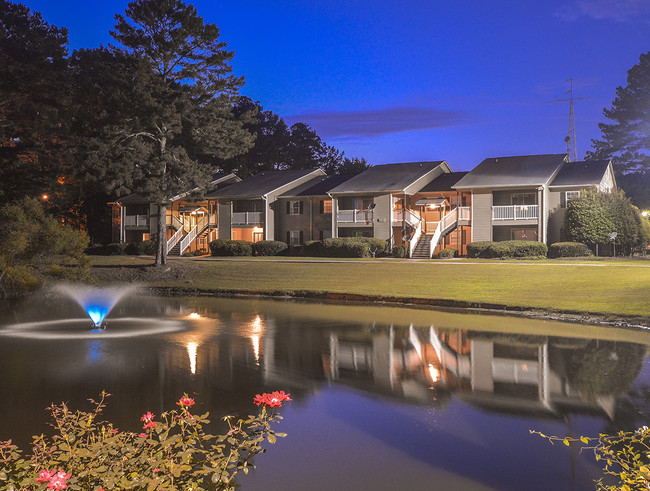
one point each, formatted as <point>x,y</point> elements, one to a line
<point>443,182</point>
<point>263,183</point>
<point>386,178</point>
<point>525,170</point>
<point>226,179</point>
<point>319,186</point>
<point>581,173</point>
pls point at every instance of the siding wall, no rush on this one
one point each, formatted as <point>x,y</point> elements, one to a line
<point>481,215</point>
<point>383,214</point>
<point>224,220</point>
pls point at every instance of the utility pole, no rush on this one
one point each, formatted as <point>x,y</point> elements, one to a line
<point>571,148</point>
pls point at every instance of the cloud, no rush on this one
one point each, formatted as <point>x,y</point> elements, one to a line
<point>618,10</point>
<point>374,122</point>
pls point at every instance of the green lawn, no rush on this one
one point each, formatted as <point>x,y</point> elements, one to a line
<point>619,287</point>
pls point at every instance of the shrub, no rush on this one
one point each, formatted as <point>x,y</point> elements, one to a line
<point>311,248</point>
<point>517,249</point>
<point>197,252</point>
<point>227,247</point>
<point>142,248</point>
<point>569,249</point>
<point>400,251</point>
<point>174,453</point>
<point>114,249</point>
<point>344,247</point>
<point>478,249</point>
<point>269,247</point>
<point>448,252</point>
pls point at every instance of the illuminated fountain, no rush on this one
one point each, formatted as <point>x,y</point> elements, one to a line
<point>96,302</point>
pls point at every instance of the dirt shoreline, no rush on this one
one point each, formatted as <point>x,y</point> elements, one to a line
<point>179,270</point>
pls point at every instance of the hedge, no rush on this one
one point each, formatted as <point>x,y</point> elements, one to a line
<point>448,252</point>
<point>114,249</point>
<point>143,248</point>
<point>344,247</point>
<point>478,249</point>
<point>569,249</point>
<point>269,247</point>
<point>227,247</point>
<point>400,251</point>
<point>517,249</point>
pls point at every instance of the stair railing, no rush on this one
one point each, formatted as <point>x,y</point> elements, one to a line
<point>174,240</point>
<point>193,234</point>
<point>445,223</point>
<point>416,237</point>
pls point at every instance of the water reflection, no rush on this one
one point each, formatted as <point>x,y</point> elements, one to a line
<point>441,365</point>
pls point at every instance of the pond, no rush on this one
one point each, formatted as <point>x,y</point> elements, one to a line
<point>384,398</point>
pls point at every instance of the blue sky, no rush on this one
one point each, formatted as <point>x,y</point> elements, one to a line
<point>399,81</point>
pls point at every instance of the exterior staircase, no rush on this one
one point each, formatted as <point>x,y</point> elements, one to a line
<point>175,251</point>
<point>421,250</point>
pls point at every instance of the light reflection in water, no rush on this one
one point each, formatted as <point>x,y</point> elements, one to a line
<point>191,351</point>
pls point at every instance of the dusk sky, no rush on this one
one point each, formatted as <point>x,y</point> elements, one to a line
<point>400,81</point>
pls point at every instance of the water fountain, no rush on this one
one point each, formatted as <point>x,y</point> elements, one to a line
<point>96,302</point>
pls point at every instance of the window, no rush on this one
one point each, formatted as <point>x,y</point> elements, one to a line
<point>524,199</point>
<point>325,206</point>
<point>568,196</point>
<point>294,237</point>
<point>294,207</point>
<point>524,234</point>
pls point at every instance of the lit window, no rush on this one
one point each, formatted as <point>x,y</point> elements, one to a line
<point>326,206</point>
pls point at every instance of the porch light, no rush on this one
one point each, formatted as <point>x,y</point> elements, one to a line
<point>258,229</point>
<point>45,197</point>
<point>644,214</point>
<point>433,205</point>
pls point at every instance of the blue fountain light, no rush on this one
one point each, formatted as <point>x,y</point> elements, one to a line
<point>97,302</point>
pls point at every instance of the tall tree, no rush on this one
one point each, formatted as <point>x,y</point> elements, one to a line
<point>178,118</point>
<point>33,104</point>
<point>626,137</point>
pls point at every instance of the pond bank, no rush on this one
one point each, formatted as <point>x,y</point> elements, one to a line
<point>602,296</point>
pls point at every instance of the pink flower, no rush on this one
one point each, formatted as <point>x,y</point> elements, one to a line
<point>148,416</point>
<point>45,476</point>
<point>185,401</point>
<point>157,469</point>
<point>142,435</point>
<point>274,399</point>
<point>150,424</point>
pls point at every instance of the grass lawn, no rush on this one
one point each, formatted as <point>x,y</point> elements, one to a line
<point>620,287</point>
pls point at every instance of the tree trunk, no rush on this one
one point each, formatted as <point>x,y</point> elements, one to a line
<point>161,246</point>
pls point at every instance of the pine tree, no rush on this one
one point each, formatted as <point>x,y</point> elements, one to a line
<point>173,119</point>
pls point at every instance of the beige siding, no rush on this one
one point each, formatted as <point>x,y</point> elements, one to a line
<point>225,217</point>
<point>481,215</point>
<point>383,214</point>
<point>555,217</point>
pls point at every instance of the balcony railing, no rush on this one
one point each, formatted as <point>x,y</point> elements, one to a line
<point>514,212</point>
<point>464,213</point>
<point>354,216</point>
<point>247,218</point>
<point>136,220</point>
<point>409,217</point>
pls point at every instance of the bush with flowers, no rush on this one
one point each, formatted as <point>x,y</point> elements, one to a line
<point>172,452</point>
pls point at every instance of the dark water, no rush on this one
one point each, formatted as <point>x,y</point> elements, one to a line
<point>385,398</point>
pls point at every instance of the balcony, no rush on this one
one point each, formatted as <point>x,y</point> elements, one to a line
<point>247,218</point>
<point>354,216</point>
<point>136,221</point>
<point>401,216</point>
<point>515,212</point>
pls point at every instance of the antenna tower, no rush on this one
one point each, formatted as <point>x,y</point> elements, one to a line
<point>571,150</point>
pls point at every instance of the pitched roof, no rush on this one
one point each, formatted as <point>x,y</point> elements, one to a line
<point>319,186</point>
<point>443,182</point>
<point>263,183</point>
<point>387,177</point>
<point>581,173</point>
<point>217,181</point>
<point>525,170</point>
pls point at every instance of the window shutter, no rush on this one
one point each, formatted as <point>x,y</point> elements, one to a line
<point>288,207</point>
<point>301,208</point>
<point>322,207</point>
<point>301,241</point>
<point>288,237</point>
<point>563,199</point>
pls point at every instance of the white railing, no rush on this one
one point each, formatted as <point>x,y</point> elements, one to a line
<point>354,216</point>
<point>445,223</point>
<point>247,217</point>
<point>464,213</point>
<point>174,240</point>
<point>410,217</point>
<point>189,238</point>
<point>416,237</point>
<point>514,212</point>
<point>174,221</point>
<point>136,220</point>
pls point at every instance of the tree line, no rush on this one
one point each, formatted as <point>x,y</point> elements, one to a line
<point>155,114</point>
